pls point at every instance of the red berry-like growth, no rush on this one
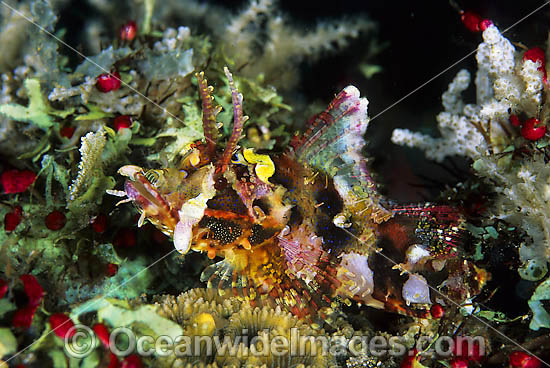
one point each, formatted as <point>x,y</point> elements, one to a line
<point>122,121</point>
<point>536,54</point>
<point>3,288</point>
<point>128,31</point>
<point>67,131</point>
<point>437,311</point>
<point>514,120</point>
<point>459,363</point>
<point>62,325</point>
<point>13,218</point>
<point>113,361</point>
<point>99,223</point>
<point>108,82</point>
<point>484,24</point>
<point>410,359</point>
<point>112,269</point>
<point>23,316</point>
<point>131,361</point>
<point>102,333</point>
<point>533,130</point>
<point>520,359</point>
<point>32,288</point>
<point>15,181</point>
<point>471,21</point>
<point>55,220</point>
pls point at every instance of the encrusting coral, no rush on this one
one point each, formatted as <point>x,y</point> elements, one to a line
<point>232,319</point>
<point>195,301</point>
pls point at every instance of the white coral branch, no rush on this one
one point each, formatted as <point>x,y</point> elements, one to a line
<point>502,87</point>
<point>91,149</point>
<point>274,46</point>
<point>240,32</point>
<point>452,98</point>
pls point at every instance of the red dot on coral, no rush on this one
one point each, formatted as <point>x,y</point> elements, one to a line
<point>533,130</point>
<point>484,24</point>
<point>23,316</point>
<point>99,223</point>
<point>108,82</point>
<point>520,359</point>
<point>131,361</point>
<point>15,181</point>
<point>407,362</point>
<point>11,220</point>
<point>62,325</point>
<point>471,21</point>
<point>112,269</point>
<point>67,131</point>
<point>410,359</point>
<point>437,311</point>
<point>514,120</point>
<point>534,54</point>
<point>459,363</point>
<point>3,288</point>
<point>102,333</point>
<point>122,121</point>
<point>128,31</point>
<point>113,362</point>
<point>32,288</point>
<point>55,220</point>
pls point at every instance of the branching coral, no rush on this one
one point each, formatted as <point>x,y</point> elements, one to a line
<point>285,45</point>
<point>261,41</point>
<point>509,83</point>
<point>90,162</point>
<point>523,188</point>
<point>505,84</point>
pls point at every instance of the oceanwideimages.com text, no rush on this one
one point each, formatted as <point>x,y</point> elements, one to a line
<point>123,341</point>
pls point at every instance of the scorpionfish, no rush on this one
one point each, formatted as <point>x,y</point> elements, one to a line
<point>305,229</point>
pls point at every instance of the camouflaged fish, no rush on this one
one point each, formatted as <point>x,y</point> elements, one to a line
<point>305,229</point>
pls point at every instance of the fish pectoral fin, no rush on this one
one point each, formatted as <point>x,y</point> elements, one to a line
<point>182,236</point>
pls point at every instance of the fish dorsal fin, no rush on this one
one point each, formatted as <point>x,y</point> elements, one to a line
<point>333,143</point>
<point>209,113</point>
